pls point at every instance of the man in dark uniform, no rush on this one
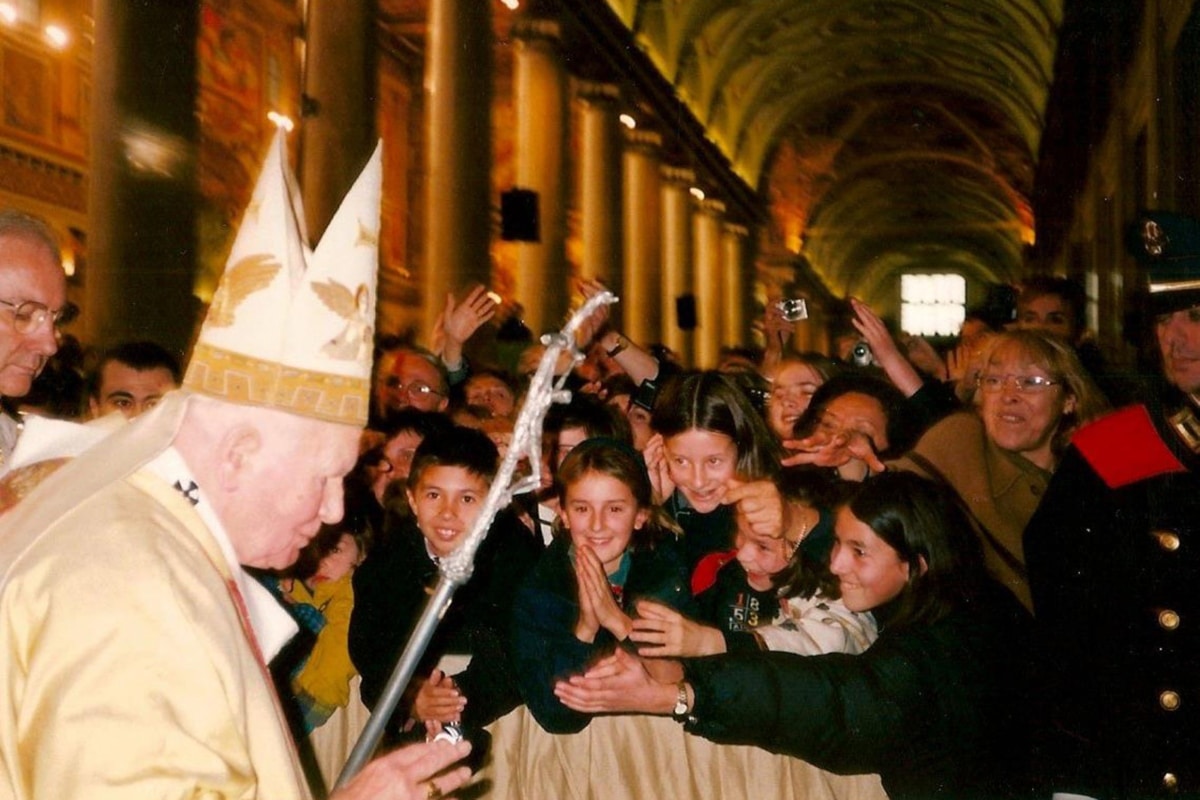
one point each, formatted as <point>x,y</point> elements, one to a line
<point>1113,554</point>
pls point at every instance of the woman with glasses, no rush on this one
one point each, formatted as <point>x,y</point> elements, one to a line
<point>1031,395</point>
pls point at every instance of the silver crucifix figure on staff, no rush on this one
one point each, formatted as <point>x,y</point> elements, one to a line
<point>455,570</point>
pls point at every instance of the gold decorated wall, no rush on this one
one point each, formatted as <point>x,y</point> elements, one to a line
<point>247,67</point>
<point>44,107</point>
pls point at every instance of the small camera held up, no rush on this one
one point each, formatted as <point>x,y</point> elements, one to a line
<point>794,309</point>
<point>861,355</point>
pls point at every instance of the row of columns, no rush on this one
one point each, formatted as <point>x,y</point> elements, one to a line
<point>642,232</point>
<point>683,274</point>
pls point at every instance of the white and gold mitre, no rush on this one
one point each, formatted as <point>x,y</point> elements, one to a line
<point>289,327</point>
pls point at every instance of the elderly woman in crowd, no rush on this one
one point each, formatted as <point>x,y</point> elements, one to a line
<point>1031,395</point>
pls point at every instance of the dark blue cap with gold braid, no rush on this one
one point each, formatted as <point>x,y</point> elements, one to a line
<point>1169,246</point>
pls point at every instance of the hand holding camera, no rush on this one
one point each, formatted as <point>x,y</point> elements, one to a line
<point>878,347</point>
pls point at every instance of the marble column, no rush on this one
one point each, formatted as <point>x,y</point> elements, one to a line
<point>458,150</point>
<point>142,211</point>
<point>737,285</point>
<point>540,91</point>
<point>708,272</point>
<point>600,184</point>
<point>642,312</point>
<point>339,76</point>
<point>677,279</point>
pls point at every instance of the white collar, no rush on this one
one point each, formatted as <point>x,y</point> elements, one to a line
<point>434,557</point>
<point>272,625</point>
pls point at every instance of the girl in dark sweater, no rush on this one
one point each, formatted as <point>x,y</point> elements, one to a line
<point>613,547</point>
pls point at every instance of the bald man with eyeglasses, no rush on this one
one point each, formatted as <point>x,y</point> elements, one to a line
<point>33,302</point>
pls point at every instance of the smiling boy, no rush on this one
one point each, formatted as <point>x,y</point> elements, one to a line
<point>447,486</point>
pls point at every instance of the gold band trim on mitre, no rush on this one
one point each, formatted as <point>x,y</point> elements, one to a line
<point>1174,286</point>
<point>246,380</point>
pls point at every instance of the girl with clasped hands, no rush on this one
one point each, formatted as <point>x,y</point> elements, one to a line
<point>936,706</point>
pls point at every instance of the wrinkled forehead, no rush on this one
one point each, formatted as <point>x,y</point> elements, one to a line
<point>30,271</point>
<point>410,366</point>
<point>778,544</point>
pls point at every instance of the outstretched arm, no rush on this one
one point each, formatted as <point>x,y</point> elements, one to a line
<point>459,321</point>
<point>661,631</point>
<point>637,363</point>
<point>894,363</point>
<point>619,683</point>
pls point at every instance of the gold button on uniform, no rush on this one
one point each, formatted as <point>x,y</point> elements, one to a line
<point>1168,619</point>
<point>1167,540</point>
<point>1169,700</point>
<point>1170,782</point>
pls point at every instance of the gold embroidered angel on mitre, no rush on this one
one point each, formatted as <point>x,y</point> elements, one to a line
<point>242,279</point>
<point>356,339</point>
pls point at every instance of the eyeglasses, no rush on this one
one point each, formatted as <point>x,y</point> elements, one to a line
<point>412,387</point>
<point>1025,384</point>
<point>31,315</point>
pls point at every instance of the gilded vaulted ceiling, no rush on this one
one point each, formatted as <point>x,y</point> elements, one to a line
<point>887,134</point>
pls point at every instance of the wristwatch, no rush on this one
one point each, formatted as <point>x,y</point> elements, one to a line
<point>680,712</point>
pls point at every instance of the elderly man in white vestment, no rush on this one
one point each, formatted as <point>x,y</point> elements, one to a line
<point>134,646</point>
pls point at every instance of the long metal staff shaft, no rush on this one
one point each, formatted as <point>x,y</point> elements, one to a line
<point>456,569</point>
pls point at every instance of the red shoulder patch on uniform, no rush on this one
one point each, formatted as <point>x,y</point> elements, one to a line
<point>1125,447</point>
<point>705,573</point>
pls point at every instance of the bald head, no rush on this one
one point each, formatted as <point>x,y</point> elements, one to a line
<point>19,225</point>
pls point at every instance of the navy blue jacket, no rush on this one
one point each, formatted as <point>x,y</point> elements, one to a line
<point>545,612</point>
<point>391,589</point>
<point>1113,554</point>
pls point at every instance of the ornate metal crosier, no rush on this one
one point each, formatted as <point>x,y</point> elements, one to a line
<point>456,569</point>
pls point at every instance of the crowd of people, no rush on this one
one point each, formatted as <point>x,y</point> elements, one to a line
<point>958,569</point>
<point>786,503</point>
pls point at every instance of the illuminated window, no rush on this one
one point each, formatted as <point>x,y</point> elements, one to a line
<point>932,305</point>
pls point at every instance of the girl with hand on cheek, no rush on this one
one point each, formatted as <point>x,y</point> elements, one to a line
<point>709,439</point>
<point>613,547</point>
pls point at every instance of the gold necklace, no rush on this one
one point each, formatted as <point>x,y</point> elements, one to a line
<point>804,528</point>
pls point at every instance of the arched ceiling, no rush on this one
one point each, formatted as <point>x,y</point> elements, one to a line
<point>888,135</point>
